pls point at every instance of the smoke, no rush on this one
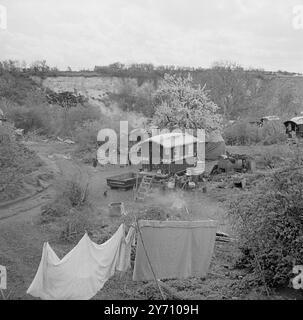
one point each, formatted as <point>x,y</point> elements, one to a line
<point>114,112</point>
<point>170,199</point>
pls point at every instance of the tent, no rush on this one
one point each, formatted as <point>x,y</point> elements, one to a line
<point>214,145</point>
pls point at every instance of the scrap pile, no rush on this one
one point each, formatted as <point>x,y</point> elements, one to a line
<point>234,163</point>
<point>65,99</point>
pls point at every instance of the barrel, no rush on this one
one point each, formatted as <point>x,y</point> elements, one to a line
<point>115,209</point>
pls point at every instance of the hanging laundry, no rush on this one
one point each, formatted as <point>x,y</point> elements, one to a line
<point>176,249</point>
<point>84,270</point>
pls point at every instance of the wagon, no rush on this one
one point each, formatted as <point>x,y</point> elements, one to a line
<point>123,181</point>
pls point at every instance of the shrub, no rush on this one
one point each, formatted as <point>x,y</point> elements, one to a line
<point>69,210</point>
<point>86,136</point>
<point>30,119</point>
<point>244,133</point>
<point>35,114</point>
<point>269,222</point>
<point>68,121</point>
<point>15,162</point>
<point>273,132</point>
<point>241,133</point>
<point>75,224</point>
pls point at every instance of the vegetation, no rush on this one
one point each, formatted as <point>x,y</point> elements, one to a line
<point>131,97</point>
<point>245,133</point>
<point>238,92</point>
<point>15,162</point>
<point>69,208</point>
<point>180,105</point>
<point>269,223</point>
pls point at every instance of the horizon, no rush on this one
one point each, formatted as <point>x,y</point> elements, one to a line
<point>81,35</point>
<point>22,64</point>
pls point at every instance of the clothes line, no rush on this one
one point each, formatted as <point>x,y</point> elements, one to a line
<point>165,250</point>
<point>81,273</point>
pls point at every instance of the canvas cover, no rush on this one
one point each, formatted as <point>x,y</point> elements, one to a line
<point>84,270</point>
<point>213,150</point>
<point>176,249</point>
<point>214,146</point>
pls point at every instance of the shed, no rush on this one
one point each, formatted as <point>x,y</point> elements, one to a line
<point>174,152</point>
<point>295,125</point>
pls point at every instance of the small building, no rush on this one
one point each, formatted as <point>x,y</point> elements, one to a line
<point>294,126</point>
<point>169,152</point>
<point>175,152</point>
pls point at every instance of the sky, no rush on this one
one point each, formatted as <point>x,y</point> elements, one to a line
<point>195,33</point>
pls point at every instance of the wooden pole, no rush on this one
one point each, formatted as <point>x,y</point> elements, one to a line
<point>149,262</point>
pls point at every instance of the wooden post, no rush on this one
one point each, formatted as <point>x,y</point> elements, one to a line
<point>137,178</point>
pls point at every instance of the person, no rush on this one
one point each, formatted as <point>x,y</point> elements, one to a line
<point>2,117</point>
<point>289,130</point>
<point>95,162</point>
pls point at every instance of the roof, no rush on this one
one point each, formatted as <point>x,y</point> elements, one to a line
<point>168,140</point>
<point>214,136</point>
<point>296,120</point>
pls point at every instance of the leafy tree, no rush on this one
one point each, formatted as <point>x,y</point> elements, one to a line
<point>181,105</point>
<point>40,67</point>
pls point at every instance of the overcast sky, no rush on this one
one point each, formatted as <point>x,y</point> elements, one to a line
<point>85,33</point>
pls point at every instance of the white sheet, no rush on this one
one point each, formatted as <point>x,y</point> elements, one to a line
<point>84,270</point>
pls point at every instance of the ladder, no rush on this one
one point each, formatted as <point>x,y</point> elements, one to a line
<point>144,187</point>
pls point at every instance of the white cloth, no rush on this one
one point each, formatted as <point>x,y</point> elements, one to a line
<point>84,270</point>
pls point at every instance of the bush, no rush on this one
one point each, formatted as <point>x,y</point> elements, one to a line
<point>30,119</point>
<point>86,136</point>
<point>269,222</point>
<point>244,133</point>
<point>273,133</point>
<point>69,210</point>
<point>70,194</point>
<point>15,162</point>
<point>68,121</point>
<point>131,97</point>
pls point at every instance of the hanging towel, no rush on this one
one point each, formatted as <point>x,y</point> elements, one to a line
<point>84,270</point>
<point>176,249</point>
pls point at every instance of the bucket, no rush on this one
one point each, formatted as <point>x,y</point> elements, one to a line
<point>200,167</point>
<point>116,209</point>
<point>171,184</point>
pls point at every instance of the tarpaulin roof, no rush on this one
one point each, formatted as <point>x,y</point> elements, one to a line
<point>296,120</point>
<point>167,140</point>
